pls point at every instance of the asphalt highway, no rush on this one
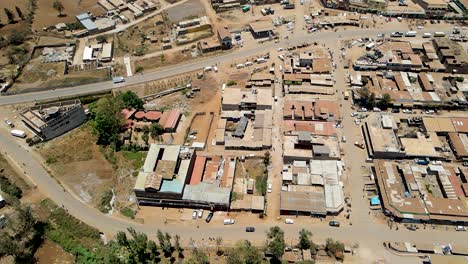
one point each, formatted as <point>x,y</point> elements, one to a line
<point>192,66</point>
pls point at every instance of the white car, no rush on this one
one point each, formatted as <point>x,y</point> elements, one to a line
<point>354,114</point>
<point>289,221</point>
<point>376,109</point>
<point>228,221</point>
<point>407,111</point>
<point>460,228</point>
<point>194,214</point>
<point>420,27</point>
<point>363,109</point>
<point>269,188</point>
<point>357,122</point>
<point>280,49</point>
<point>430,112</point>
<point>200,213</point>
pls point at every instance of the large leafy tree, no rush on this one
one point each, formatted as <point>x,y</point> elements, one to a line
<point>107,120</point>
<point>305,239</point>
<point>276,242</point>
<point>131,100</point>
<point>57,5</point>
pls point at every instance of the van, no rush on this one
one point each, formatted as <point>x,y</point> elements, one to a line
<point>460,228</point>
<point>249,63</point>
<point>411,34</point>
<point>261,60</point>
<point>289,221</point>
<point>18,133</point>
<point>215,68</point>
<point>281,57</point>
<point>427,35</point>
<point>240,66</point>
<point>228,221</point>
<point>207,69</point>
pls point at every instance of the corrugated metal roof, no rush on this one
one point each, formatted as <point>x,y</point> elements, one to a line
<point>88,24</point>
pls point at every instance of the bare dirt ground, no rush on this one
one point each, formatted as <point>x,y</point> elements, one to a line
<point>192,8</point>
<point>50,253</point>
<point>201,124</point>
<point>46,15</point>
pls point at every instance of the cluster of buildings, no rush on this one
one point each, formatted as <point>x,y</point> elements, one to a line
<point>137,8</point>
<point>311,175</point>
<point>426,190</point>
<point>246,118</point>
<point>189,30</point>
<point>101,52</point>
<point>437,9</point>
<point>412,73</point>
<point>93,25</point>
<point>310,72</point>
<point>178,176</point>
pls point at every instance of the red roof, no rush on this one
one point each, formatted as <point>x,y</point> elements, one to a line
<point>127,113</point>
<point>128,123</point>
<point>153,115</point>
<point>198,170</point>
<point>169,119</point>
<point>456,184</point>
<point>140,115</point>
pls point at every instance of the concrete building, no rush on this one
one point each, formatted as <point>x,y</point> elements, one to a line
<point>247,99</point>
<point>451,54</point>
<point>312,188</point>
<point>224,37</point>
<point>434,8</point>
<point>175,176</point>
<point>262,29</point>
<point>415,193</point>
<point>52,120</point>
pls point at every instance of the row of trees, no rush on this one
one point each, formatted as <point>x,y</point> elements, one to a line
<point>369,99</point>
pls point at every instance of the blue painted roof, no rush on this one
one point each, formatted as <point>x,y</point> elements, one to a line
<point>375,200</point>
<point>88,24</point>
<point>83,16</point>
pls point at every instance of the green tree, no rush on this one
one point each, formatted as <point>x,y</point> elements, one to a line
<point>386,100</point>
<point>145,138</point>
<point>276,242</point>
<point>335,249</point>
<point>137,249</point>
<point>107,120</point>
<point>57,5</point>
<point>219,242</point>
<point>19,12</point>
<point>231,83</point>
<point>156,130</point>
<point>9,14</point>
<point>244,252</point>
<point>304,239</point>
<point>131,100</point>
<point>101,39</point>
<point>198,257</point>
<point>17,37</point>
<point>178,247</point>
<point>139,69</point>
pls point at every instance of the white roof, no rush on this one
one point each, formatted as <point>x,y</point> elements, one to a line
<point>88,53</point>
<point>107,50</point>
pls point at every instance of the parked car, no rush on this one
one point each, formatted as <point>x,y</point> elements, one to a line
<point>357,122</point>
<point>430,112</point>
<point>460,228</point>
<point>334,223</point>
<point>354,114</point>
<point>269,188</point>
<point>194,214</point>
<point>395,110</point>
<point>407,111</point>
<point>289,221</point>
<point>228,221</point>
<point>200,213</point>
<point>9,123</point>
<point>250,229</point>
<point>208,218</point>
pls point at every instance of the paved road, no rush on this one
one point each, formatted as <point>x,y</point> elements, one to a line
<point>187,67</point>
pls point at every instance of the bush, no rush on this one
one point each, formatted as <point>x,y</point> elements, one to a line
<point>139,69</point>
<point>10,188</point>
<point>231,83</point>
<point>17,37</point>
<point>104,205</point>
<point>128,212</point>
<point>459,79</point>
<point>51,159</point>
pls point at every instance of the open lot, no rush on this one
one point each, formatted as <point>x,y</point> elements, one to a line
<point>190,9</point>
<point>24,6</point>
<point>46,15</point>
<point>200,128</point>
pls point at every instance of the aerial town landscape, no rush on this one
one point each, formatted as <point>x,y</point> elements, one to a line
<point>233,131</point>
